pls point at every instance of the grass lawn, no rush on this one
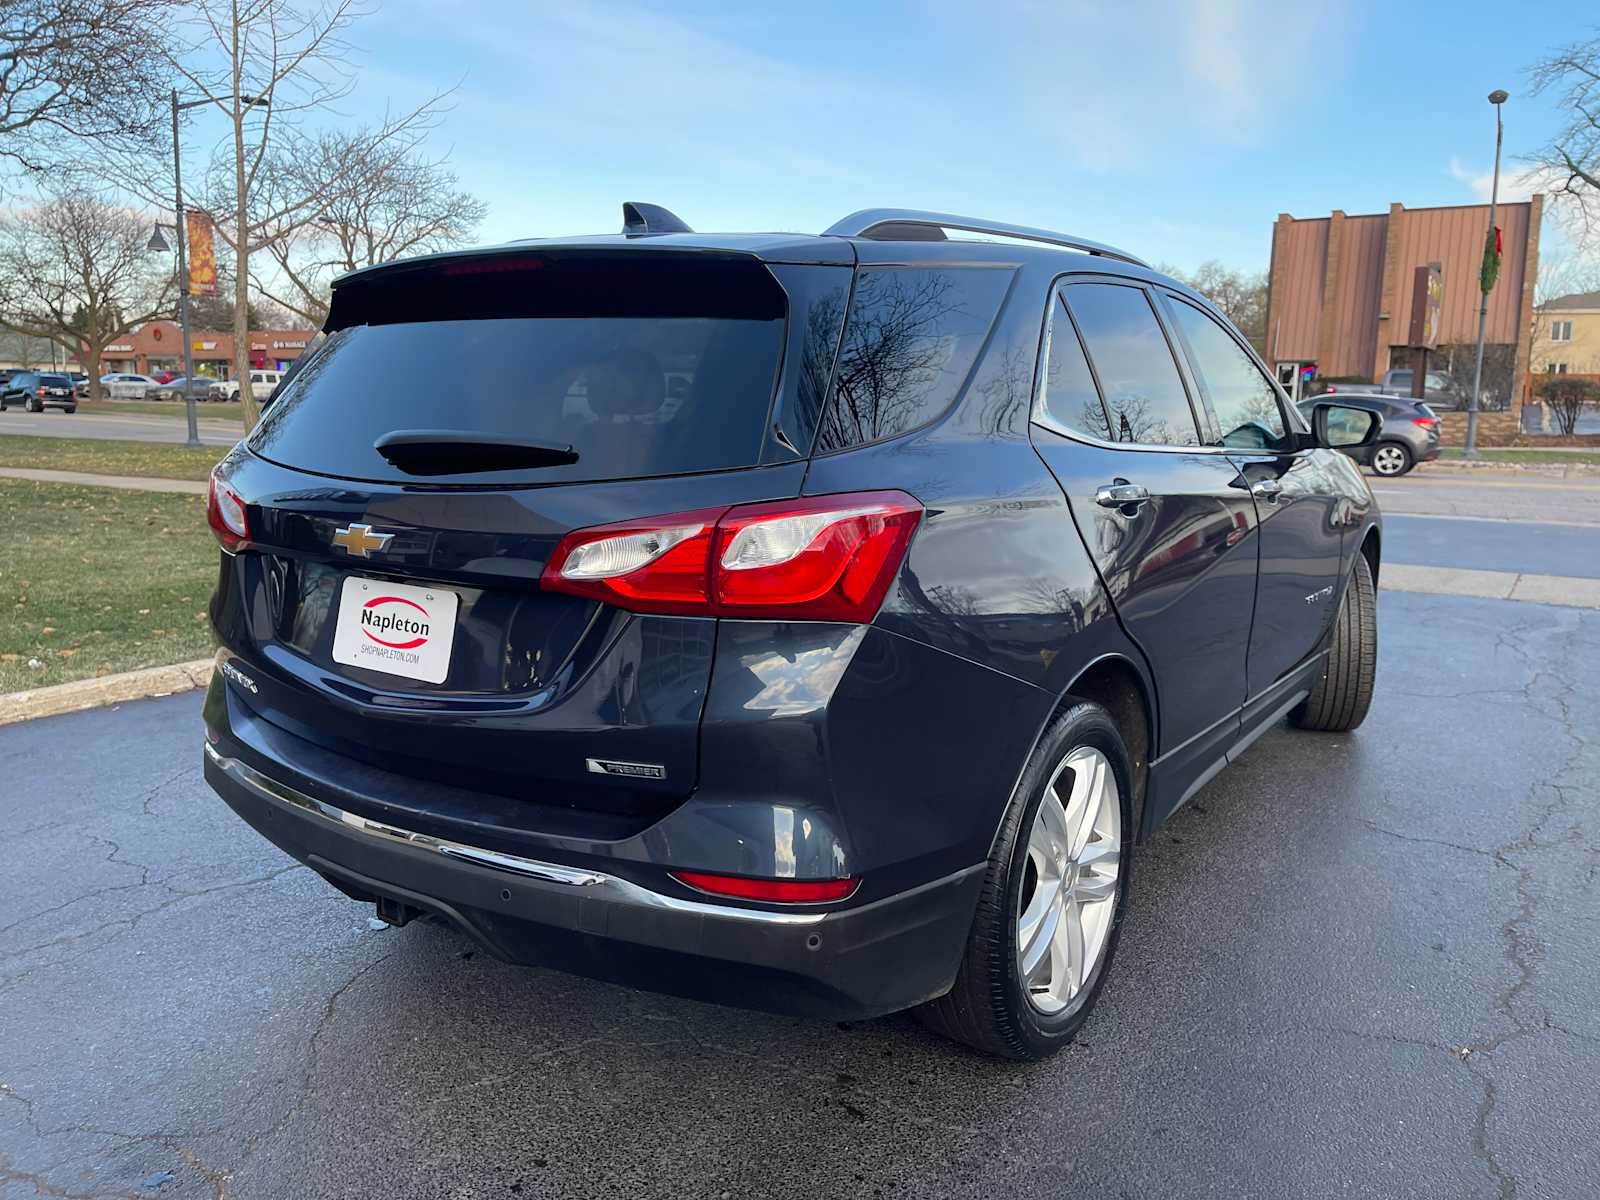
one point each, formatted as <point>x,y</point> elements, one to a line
<point>164,408</point>
<point>95,581</point>
<point>160,460</point>
<point>1565,458</point>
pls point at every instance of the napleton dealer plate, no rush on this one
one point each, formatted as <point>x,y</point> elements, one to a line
<point>395,628</point>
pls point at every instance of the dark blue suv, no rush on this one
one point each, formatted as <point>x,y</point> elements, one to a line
<point>808,623</point>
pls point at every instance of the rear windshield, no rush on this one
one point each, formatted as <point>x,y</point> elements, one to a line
<point>634,395</point>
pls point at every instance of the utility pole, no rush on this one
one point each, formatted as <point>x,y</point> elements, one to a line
<point>183,285</point>
<point>1497,97</point>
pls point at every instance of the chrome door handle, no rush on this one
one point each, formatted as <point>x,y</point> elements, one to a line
<point>1115,495</point>
<point>1266,489</point>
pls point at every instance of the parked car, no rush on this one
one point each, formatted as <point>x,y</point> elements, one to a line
<point>1408,432</point>
<point>261,384</point>
<point>1442,391</point>
<point>178,387</point>
<point>80,383</point>
<point>126,387</point>
<point>848,682</point>
<point>37,391</point>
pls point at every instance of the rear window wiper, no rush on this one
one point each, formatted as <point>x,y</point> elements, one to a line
<point>459,451</point>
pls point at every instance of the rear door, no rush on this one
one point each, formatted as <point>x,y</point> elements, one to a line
<point>390,602</point>
<point>1167,520</point>
<point>1297,500</point>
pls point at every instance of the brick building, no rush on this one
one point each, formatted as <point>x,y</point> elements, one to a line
<point>158,346</point>
<point>1340,287</point>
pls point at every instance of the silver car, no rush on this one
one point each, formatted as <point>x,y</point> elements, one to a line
<point>1408,433</point>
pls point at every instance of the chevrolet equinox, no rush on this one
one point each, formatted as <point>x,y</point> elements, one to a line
<point>817,624</point>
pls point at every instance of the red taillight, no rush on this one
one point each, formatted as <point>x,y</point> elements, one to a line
<point>1425,422</point>
<point>226,515</point>
<point>41,393</point>
<point>777,891</point>
<point>821,558</point>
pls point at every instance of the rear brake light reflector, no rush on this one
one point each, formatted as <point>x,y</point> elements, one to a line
<point>225,513</point>
<point>777,891</point>
<point>654,565</point>
<point>819,558</point>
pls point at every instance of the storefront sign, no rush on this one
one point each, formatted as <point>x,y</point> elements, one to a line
<point>300,345</point>
<point>120,348</point>
<point>1427,290</point>
<point>205,345</point>
<point>202,254</point>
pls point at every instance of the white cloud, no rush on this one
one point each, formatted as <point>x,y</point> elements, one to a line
<point>1517,182</point>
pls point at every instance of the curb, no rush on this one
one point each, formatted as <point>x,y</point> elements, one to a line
<point>108,689</point>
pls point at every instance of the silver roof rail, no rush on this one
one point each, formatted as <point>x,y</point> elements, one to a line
<point>901,223</point>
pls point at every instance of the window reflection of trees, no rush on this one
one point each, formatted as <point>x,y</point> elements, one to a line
<point>909,340</point>
<point>892,352</point>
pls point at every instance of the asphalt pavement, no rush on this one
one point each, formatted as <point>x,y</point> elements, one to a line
<point>1355,965</point>
<point>119,427</point>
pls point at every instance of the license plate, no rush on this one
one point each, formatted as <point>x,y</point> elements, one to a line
<point>395,628</point>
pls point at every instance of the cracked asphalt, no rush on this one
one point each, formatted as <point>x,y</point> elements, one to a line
<point>1357,965</point>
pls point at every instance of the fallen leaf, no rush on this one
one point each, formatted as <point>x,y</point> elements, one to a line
<point>144,612</point>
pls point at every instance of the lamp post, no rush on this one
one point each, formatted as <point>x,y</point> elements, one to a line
<point>1470,450</point>
<point>183,263</point>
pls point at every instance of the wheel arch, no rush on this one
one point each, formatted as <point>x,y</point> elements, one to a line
<point>1116,683</point>
<point>1372,550</point>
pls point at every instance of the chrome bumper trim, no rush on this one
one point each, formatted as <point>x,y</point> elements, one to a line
<point>604,887</point>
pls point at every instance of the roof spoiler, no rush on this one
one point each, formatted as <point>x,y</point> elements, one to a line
<point>642,220</point>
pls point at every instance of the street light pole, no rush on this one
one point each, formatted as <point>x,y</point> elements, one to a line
<point>1470,450</point>
<point>183,285</point>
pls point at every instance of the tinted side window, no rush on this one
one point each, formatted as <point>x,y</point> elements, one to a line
<point>1245,404</point>
<point>1070,396</point>
<point>1139,381</point>
<point>909,343</point>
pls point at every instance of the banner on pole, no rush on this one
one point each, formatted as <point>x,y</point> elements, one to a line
<point>202,254</point>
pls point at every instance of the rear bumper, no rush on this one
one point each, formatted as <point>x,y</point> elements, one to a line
<point>848,963</point>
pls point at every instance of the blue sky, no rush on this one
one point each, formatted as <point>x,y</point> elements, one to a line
<point>1179,130</point>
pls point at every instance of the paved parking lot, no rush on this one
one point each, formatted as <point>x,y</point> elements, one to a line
<point>1355,965</point>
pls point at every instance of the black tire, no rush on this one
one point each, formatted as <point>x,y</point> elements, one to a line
<point>1339,701</point>
<point>987,1008</point>
<point>71,408</point>
<point>36,405</point>
<point>1396,458</point>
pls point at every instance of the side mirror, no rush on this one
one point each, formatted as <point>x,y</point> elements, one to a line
<point>1340,427</point>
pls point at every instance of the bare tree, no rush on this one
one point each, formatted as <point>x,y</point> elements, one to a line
<point>267,66</point>
<point>377,205</point>
<point>78,69</point>
<point>1567,396</point>
<point>1241,295</point>
<point>1571,159</point>
<point>77,273</point>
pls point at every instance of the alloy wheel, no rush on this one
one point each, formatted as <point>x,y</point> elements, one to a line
<point>1389,460</point>
<point>1068,897</point>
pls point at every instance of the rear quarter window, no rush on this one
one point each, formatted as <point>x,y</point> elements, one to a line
<point>910,341</point>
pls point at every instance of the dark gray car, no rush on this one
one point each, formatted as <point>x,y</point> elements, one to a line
<point>36,391</point>
<point>1409,432</point>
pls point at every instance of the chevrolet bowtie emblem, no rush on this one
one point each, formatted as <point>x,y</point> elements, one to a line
<point>360,541</point>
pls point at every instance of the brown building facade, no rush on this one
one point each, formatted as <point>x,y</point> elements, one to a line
<point>1340,290</point>
<point>158,346</point>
